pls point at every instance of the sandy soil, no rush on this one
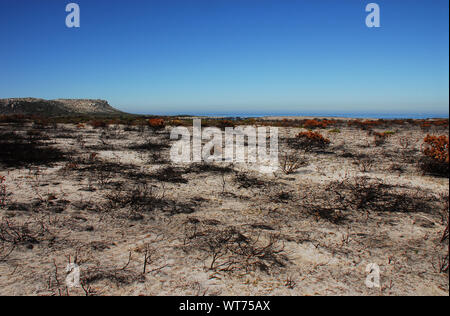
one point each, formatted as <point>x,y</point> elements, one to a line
<point>117,209</point>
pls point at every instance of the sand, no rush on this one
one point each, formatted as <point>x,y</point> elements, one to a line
<point>70,211</point>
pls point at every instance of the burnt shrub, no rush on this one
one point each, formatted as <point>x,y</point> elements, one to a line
<point>141,196</point>
<point>247,181</point>
<point>209,168</point>
<point>232,250</point>
<point>365,163</point>
<point>17,151</point>
<point>2,191</point>
<point>149,145</point>
<point>373,195</point>
<point>444,260</point>
<point>170,174</point>
<point>363,195</point>
<point>18,119</point>
<point>291,162</point>
<point>13,233</point>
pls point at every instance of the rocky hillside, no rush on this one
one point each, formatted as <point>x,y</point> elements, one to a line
<point>32,106</point>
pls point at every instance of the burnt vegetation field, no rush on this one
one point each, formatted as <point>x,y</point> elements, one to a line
<point>102,193</point>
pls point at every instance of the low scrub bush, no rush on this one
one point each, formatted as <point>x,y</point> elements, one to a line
<point>427,124</point>
<point>309,141</point>
<point>366,124</point>
<point>2,191</point>
<point>372,195</point>
<point>209,168</point>
<point>380,138</point>
<point>156,123</point>
<point>444,260</point>
<point>291,162</point>
<point>362,195</point>
<point>436,155</point>
<point>98,124</point>
<point>225,123</point>
<point>336,130</point>
<point>437,148</point>
<point>17,150</point>
<point>404,142</point>
<point>139,199</point>
<point>29,233</point>
<point>18,119</point>
<point>171,175</point>
<point>231,250</point>
<point>364,163</point>
<point>149,145</point>
<point>247,181</point>
<point>177,122</point>
<point>312,124</point>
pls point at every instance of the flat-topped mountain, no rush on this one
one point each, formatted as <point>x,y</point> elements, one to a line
<point>33,106</point>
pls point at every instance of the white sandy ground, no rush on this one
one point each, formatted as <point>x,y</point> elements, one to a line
<point>322,258</point>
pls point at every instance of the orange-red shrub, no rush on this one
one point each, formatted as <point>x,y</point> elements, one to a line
<point>380,138</point>
<point>313,136</point>
<point>311,124</point>
<point>176,123</point>
<point>367,124</point>
<point>309,141</point>
<point>436,147</point>
<point>443,122</point>
<point>98,124</point>
<point>426,124</point>
<point>436,151</point>
<point>225,123</point>
<point>382,135</point>
<point>156,123</point>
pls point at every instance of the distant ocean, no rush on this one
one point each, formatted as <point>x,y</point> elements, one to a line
<point>314,114</point>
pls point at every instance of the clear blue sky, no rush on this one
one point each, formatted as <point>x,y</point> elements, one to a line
<point>241,56</point>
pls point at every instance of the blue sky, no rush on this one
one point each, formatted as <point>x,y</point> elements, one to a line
<point>230,56</point>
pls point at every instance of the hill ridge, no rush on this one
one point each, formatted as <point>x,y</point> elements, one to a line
<point>38,106</point>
